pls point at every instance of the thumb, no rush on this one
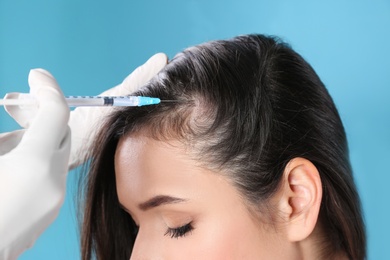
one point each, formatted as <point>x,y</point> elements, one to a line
<point>49,127</point>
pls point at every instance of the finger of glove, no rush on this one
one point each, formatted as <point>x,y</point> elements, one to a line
<point>22,115</point>
<point>8,141</point>
<point>48,129</point>
<point>61,157</point>
<point>140,76</point>
<point>85,121</point>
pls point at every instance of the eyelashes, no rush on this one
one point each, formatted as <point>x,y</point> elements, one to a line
<point>180,231</point>
<point>172,232</point>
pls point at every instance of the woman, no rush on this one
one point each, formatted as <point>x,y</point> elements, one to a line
<point>247,159</point>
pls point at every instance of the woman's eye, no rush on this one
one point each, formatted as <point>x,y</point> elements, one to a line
<point>180,231</point>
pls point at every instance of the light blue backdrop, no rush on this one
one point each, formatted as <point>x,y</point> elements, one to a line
<point>92,45</point>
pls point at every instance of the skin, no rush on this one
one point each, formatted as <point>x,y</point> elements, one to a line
<point>223,226</point>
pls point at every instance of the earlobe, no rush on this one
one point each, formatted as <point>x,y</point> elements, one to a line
<point>301,198</point>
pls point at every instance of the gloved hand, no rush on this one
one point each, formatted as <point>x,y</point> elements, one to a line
<point>33,167</point>
<point>85,121</point>
<point>38,157</point>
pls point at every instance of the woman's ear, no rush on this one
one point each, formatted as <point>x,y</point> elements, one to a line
<point>300,198</point>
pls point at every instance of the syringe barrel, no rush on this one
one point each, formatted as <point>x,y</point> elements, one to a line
<point>78,101</point>
<point>23,99</point>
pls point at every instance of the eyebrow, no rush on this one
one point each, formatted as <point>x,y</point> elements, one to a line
<point>158,201</point>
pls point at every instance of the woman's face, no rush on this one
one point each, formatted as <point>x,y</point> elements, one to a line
<point>184,211</point>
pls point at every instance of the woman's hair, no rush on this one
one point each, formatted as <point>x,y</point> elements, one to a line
<point>245,106</point>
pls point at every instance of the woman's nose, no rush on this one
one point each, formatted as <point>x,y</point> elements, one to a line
<point>147,247</point>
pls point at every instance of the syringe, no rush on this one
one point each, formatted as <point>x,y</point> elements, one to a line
<point>79,101</point>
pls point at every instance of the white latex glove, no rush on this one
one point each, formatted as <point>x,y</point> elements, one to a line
<point>85,121</point>
<point>33,167</point>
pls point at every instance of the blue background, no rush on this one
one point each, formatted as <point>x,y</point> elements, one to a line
<point>92,45</point>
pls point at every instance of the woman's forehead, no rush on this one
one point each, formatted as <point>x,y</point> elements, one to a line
<point>145,168</point>
<point>142,163</point>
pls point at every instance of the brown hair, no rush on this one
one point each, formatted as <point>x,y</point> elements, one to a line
<point>249,105</point>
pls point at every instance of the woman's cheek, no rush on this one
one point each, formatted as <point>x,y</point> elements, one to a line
<point>215,241</point>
